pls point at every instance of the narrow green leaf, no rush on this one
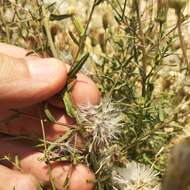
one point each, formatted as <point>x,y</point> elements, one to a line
<point>161,114</point>
<point>63,138</point>
<point>70,85</point>
<point>76,68</point>
<point>66,183</point>
<point>150,88</point>
<point>48,113</point>
<point>98,2</point>
<point>51,5</point>
<point>73,38</point>
<point>59,17</point>
<point>68,105</point>
<point>17,162</point>
<point>118,20</point>
<point>39,188</point>
<point>60,158</point>
<point>78,25</point>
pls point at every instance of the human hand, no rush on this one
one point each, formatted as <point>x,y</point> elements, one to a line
<point>26,81</point>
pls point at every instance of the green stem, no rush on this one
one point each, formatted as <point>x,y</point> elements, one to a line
<point>46,26</point>
<point>83,37</point>
<point>144,57</point>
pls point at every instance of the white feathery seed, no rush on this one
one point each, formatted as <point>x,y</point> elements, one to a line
<point>136,176</point>
<point>103,120</point>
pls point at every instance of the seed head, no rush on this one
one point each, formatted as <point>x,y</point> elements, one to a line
<point>103,121</point>
<point>177,4</point>
<point>136,177</point>
<point>162,11</point>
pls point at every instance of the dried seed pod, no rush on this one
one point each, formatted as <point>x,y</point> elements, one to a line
<point>61,41</point>
<point>55,28</point>
<point>102,42</point>
<point>162,10</point>
<point>105,21</point>
<point>31,42</point>
<point>94,36</point>
<point>177,4</point>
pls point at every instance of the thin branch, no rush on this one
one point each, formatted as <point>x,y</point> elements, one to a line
<point>49,37</point>
<point>124,8</point>
<point>83,37</point>
<point>182,42</point>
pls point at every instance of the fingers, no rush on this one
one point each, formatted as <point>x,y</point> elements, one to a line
<point>28,124</point>
<point>13,51</point>
<point>10,179</point>
<point>84,92</point>
<point>17,125</point>
<point>36,79</point>
<point>30,163</point>
<point>25,81</point>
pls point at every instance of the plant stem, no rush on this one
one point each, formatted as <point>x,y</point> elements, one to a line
<point>83,37</point>
<point>182,42</point>
<point>46,26</point>
<point>144,57</point>
<point>44,135</point>
<point>124,8</point>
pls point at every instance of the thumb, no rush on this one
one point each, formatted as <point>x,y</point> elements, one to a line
<point>29,80</point>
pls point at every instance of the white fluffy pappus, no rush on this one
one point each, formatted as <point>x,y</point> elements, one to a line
<point>104,121</point>
<point>136,176</point>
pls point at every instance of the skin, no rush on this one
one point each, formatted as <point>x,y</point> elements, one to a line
<point>24,83</point>
<point>16,179</point>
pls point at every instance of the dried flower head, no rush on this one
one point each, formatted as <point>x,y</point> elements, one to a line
<point>177,4</point>
<point>136,177</point>
<point>105,21</point>
<point>103,121</point>
<point>162,11</point>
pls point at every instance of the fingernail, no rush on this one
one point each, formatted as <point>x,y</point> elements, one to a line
<point>44,69</point>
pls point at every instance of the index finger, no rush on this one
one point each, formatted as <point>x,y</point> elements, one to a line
<point>13,51</point>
